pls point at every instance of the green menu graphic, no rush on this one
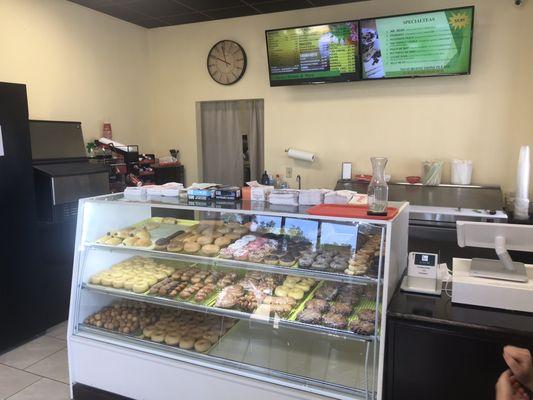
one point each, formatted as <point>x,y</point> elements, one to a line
<point>414,45</point>
<point>322,51</point>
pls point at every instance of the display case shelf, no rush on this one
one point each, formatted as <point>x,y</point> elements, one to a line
<point>214,359</point>
<point>272,321</point>
<point>243,265</point>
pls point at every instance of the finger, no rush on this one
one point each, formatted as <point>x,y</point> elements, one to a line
<point>512,363</point>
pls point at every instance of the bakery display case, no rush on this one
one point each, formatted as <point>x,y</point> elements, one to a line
<point>210,300</point>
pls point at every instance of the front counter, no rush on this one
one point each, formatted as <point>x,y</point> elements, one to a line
<point>439,350</point>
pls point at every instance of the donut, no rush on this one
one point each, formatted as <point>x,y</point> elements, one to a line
<point>140,287</point>
<point>158,336</point>
<point>205,239</point>
<point>175,247</point>
<point>106,280</point>
<point>142,242</point>
<point>222,241</point>
<point>319,265</point>
<point>224,230</point>
<point>191,247</point>
<point>241,230</point>
<point>113,241</point>
<point>295,293</point>
<point>96,279</point>
<point>161,244</point>
<point>287,261</point>
<point>118,283</point>
<point>233,236</point>
<point>157,220</point>
<point>210,250</point>
<point>186,343</point>
<point>124,233</point>
<point>191,239</point>
<point>169,220</point>
<point>302,286</point>
<point>281,291</point>
<point>149,331</point>
<point>212,337</point>
<point>150,226</point>
<point>202,345</point>
<point>172,339</point>
<point>271,260</point>
<point>142,234</point>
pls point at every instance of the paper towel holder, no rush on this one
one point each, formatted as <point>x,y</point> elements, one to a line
<point>312,156</point>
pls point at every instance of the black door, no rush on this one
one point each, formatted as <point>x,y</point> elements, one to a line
<point>20,297</point>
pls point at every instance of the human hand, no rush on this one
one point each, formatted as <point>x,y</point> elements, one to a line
<point>508,388</point>
<point>519,361</point>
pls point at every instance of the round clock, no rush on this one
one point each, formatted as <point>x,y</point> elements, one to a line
<point>226,62</point>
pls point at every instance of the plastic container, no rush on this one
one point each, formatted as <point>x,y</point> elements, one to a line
<point>432,172</point>
<point>461,172</point>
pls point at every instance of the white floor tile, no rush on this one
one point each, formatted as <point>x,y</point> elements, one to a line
<point>59,331</point>
<point>44,389</point>
<point>53,367</point>
<point>12,380</point>
<point>30,353</point>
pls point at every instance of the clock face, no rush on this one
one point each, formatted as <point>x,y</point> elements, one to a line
<point>226,62</point>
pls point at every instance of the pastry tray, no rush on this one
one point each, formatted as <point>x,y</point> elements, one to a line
<point>163,231</point>
<point>361,305</point>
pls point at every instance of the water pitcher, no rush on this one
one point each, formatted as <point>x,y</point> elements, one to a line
<point>378,191</point>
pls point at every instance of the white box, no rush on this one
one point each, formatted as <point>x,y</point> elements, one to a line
<point>491,293</point>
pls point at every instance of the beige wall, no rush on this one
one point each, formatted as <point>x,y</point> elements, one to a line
<point>83,65</point>
<point>78,64</point>
<point>483,117</point>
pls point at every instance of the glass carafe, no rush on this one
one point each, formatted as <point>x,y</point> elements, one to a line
<point>378,191</point>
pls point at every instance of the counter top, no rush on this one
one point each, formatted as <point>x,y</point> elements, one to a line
<point>441,310</point>
<point>454,196</point>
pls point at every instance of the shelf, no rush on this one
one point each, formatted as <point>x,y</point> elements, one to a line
<point>242,353</point>
<point>244,207</point>
<point>245,265</point>
<point>275,322</point>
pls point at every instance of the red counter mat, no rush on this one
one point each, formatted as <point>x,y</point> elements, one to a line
<point>350,211</point>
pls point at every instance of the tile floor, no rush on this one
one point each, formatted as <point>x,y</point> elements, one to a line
<point>38,369</point>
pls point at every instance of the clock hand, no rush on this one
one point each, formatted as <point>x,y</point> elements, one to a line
<point>223,52</point>
<point>220,59</point>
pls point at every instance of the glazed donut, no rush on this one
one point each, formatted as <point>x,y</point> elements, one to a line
<point>210,250</point>
<point>212,337</point>
<point>140,287</point>
<point>205,240</point>
<point>223,241</point>
<point>224,230</point>
<point>202,345</point>
<point>172,339</point>
<point>296,294</point>
<point>158,336</point>
<point>191,247</point>
<point>186,343</point>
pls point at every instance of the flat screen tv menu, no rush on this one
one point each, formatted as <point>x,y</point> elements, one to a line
<point>434,43</point>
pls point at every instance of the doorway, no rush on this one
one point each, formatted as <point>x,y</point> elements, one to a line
<point>230,141</point>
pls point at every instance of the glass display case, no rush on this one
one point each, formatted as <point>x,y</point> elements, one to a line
<point>210,300</point>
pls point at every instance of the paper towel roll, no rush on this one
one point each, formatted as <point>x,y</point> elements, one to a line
<point>301,155</point>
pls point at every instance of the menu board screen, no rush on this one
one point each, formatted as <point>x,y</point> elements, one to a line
<point>433,43</point>
<point>313,54</point>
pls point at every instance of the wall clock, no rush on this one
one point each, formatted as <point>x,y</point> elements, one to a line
<point>226,62</point>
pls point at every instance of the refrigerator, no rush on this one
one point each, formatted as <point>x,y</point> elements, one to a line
<point>22,313</point>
